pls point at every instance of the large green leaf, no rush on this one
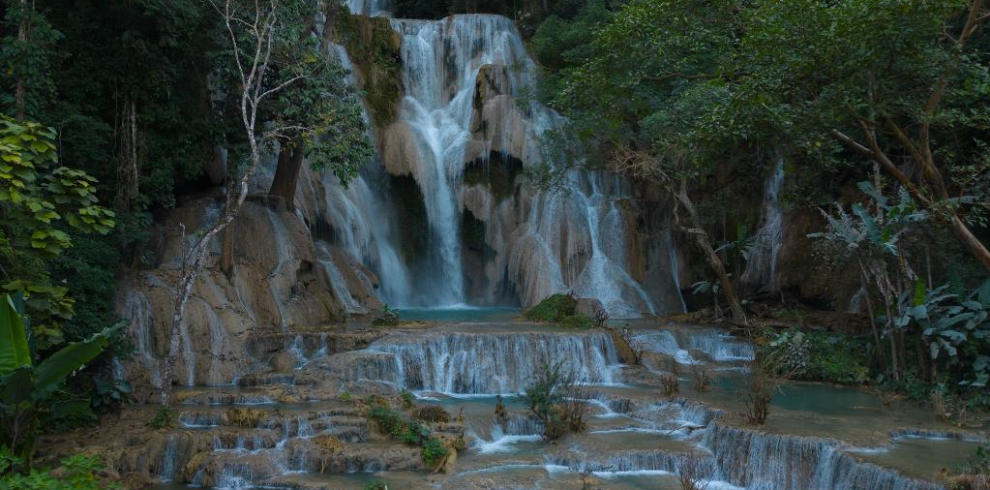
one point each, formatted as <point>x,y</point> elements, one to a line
<point>14,351</point>
<point>62,363</point>
<point>17,387</point>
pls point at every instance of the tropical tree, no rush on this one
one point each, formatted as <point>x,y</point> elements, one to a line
<point>40,202</point>
<point>26,388</point>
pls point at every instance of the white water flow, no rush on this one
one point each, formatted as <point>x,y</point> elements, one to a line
<point>283,255</point>
<point>761,268</point>
<point>374,8</point>
<point>359,216</point>
<point>603,278</point>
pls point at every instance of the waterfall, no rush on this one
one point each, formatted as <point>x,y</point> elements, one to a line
<point>374,8</point>
<point>761,461</point>
<point>361,216</point>
<point>720,347</point>
<point>475,363</point>
<point>603,278</point>
<point>761,267</point>
<point>442,60</point>
<point>283,255</point>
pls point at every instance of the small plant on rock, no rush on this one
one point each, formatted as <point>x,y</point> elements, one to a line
<point>576,322</point>
<point>164,417</point>
<point>690,471</point>
<point>375,485</point>
<point>408,399</point>
<point>669,384</point>
<point>433,414</point>
<point>702,377</point>
<point>434,452</point>
<point>386,317</point>
<point>553,309</point>
<point>554,402</point>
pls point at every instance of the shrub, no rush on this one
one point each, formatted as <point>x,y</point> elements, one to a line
<point>577,321</point>
<point>821,356</point>
<point>552,309</point>
<point>375,485</point>
<point>433,414</point>
<point>434,452</point>
<point>553,401</point>
<point>669,384</point>
<point>78,472</point>
<point>702,377</point>
<point>408,399</point>
<point>386,317</point>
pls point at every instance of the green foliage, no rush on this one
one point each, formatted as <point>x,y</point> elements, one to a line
<point>409,432</point>
<point>821,356</point>
<point>109,392</point>
<point>386,317</point>
<point>375,49</point>
<point>434,452</point>
<point>577,321</point>
<point>375,485</point>
<point>552,400</point>
<point>164,417</point>
<point>78,472</point>
<point>408,399</point>
<point>26,389</point>
<point>41,201</point>
<point>553,309</point>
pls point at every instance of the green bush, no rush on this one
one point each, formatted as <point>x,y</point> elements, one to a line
<point>434,452</point>
<point>79,472</point>
<point>576,321</point>
<point>409,432</point>
<point>553,309</point>
<point>822,356</point>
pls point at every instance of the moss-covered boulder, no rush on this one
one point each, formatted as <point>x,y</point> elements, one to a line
<point>553,309</point>
<point>577,321</point>
<point>376,52</point>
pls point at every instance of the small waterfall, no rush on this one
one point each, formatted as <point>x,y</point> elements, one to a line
<point>470,363</point>
<point>167,465</point>
<point>719,346</point>
<point>761,461</point>
<point>362,217</point>
<point>283,257</point>
<point>218,340</point>
<point>761,268</point>
<point>602,277</point>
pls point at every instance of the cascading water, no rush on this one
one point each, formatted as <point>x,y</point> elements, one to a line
<point>761,267</point>
<point>374,8</point>
<point>560,245</point>
<point>467,363</point>
<point>360,215</point>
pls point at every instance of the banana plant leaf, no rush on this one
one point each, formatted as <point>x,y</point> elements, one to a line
<point>14,352</point>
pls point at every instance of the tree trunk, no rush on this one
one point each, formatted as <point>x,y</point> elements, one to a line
<point>227,260</point>
<point>290,161</point>
<point>20,91</point>
<point>711,256</point>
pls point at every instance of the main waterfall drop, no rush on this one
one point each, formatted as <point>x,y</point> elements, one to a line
<point>466,131</point>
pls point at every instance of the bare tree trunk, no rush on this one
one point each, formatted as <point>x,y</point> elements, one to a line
<point>252,61</point>
<point>128,157</point>
<point>20,91</point>
<point>227,260</point>
<point>290,160</point>
<point>701,237</point>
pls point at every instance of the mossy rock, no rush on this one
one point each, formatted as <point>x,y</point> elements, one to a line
<point>577,321</point>
<point>552,309</point>
<point>375,50</point>
<point>433,414</point>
